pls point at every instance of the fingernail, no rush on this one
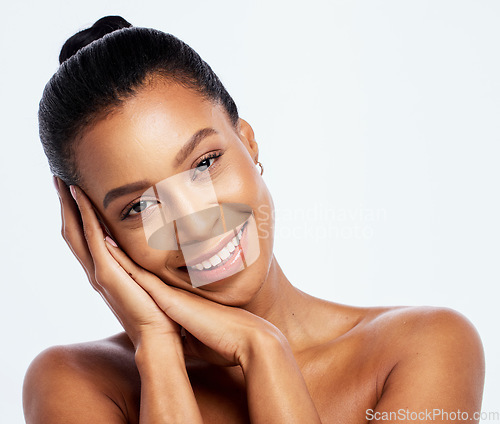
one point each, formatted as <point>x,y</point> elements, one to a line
<point>72,189</point>
<point>110,241</point>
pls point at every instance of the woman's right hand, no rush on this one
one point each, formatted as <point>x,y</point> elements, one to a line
<point>114,279</point>
<point>159,351</point>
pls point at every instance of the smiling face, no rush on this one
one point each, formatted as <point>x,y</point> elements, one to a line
<point>168,142</point>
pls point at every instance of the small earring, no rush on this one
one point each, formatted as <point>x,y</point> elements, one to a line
<point>261,167</point>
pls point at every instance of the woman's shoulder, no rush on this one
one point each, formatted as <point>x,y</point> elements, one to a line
<point>406,355</point>
<point>421,344</point>
<point>63,380</point>
<point>403,329</point>
<point>98,358</point>
<point>418,324</point>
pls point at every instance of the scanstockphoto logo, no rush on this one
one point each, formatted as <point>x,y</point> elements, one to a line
<point>432,415</point>
<point>319,222</point>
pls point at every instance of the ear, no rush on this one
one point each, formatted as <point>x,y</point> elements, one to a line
<point>248,138</point>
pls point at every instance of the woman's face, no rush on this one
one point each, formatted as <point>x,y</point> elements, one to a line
<point>176,158</point>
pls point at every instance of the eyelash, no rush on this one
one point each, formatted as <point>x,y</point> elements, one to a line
<point>125,214</point>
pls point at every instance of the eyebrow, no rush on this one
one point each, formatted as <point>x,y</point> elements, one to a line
<point>191,144</point>
<point>123,190</point>
<point>181,156</point>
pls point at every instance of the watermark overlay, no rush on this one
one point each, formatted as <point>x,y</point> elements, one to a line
<point>431,415</point>
<point>183,212</point>
<point>319,222</point>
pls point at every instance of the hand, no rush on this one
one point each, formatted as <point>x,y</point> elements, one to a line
<point>115,277</point>
<point>220,334</point>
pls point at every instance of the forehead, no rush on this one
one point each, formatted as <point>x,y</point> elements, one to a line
<point>140,139</point>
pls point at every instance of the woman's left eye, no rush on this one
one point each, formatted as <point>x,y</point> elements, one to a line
<point>205,163</point>
<point>138,208</point>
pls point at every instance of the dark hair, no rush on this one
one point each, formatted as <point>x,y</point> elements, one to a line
<point>102,66</point>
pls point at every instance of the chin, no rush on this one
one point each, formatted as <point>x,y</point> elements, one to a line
<point>235,268</point>
<point>236,290</point>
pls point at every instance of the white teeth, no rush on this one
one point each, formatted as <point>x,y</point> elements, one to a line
<point>224,254</point>
<point>215,260</point>
<point>221,255</point>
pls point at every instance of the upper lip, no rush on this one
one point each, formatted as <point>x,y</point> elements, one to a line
<point>215,248</point>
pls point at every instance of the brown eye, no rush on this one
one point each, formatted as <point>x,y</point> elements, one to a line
<point>205,164</point>
<point>139,207</point>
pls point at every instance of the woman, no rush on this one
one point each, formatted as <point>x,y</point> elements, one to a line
<point>164,206</point>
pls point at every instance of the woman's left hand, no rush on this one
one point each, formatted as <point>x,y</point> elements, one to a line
<point>225,336</point>
<point>220,334</point>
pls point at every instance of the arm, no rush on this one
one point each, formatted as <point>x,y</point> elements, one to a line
<point>58,391</point>
<point>276,390</point>
<point>77,385</point>
<point>440,373</point>
<point>166,393</point>
<point>224,335</point>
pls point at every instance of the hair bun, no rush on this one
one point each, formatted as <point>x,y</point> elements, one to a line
<point>100,28</point>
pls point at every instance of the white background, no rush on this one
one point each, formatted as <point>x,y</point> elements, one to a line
<point>378,124</point>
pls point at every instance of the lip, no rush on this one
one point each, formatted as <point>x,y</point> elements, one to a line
<point>231,266</point>
<point>217,247</point>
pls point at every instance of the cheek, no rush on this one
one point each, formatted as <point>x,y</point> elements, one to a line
<point>244,184</point>
<point>239,182</point>
<point>134,244</point>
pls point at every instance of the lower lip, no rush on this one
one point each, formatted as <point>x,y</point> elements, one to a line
<point>231,266</point>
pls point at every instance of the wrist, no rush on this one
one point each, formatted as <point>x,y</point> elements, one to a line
<point>152,348</point>
<point>266,346</point>
<point>166,392</point>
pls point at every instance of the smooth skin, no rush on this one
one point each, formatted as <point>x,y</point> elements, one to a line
<point>253,348</point>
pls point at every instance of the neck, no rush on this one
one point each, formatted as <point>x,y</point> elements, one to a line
<point>291,310</point>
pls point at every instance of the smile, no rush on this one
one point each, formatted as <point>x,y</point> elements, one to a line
<point>224,255</point>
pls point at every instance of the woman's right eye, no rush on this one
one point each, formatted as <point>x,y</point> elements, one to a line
<point>138,207</point>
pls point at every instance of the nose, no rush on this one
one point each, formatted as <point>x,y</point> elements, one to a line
<point>199,225</point>
<point>193,227</point>
<point>189,211</point>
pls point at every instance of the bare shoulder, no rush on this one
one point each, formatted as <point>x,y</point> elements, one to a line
<point>422,327</point>
<point>434,355</point>
<point>397,334</point>
<point>62,381</point>
<point>401,333</point>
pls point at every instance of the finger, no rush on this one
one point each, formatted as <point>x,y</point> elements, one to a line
<point>92,229</point>
<point>115,285</point>
<point>71,229</point>
<point>134,276</point>
<point>118,282</point>
<point>122,290</point>
<point>201,317</point>
<point>134,270</point>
